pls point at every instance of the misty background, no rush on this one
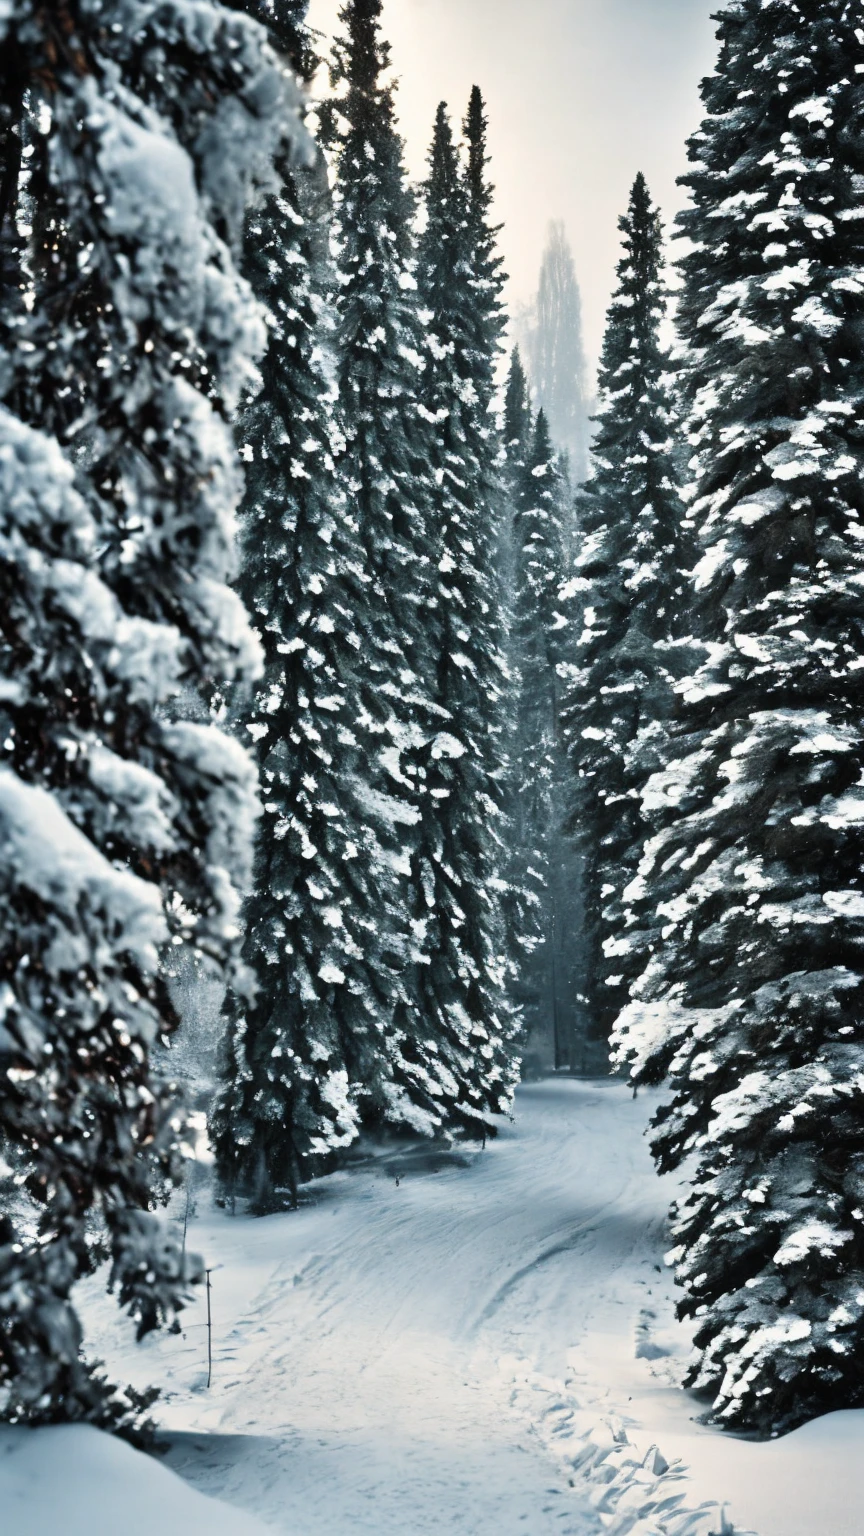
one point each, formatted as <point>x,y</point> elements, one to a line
<point>581,94</point>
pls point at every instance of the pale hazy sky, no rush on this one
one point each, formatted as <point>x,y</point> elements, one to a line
<point>582,94</point>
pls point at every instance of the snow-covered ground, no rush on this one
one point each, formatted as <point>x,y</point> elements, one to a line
<point>74,1481</point>
<point>486,1346</point>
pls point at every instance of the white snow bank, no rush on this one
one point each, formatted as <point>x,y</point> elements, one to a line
<point>74,1481</point>
<point>810,1483</point>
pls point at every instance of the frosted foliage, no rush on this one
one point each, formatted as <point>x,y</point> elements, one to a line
<point>61,868</point>
<point>316,1050</point>
<point>236,102</point>
<point>623,602</point>
<point>222,777</point>
<point>124,826</point>
<point>460,852</point>
<point>416,375</point>
<point>749,896</point>
<point>540,641</point>
<point>181,283</point>
<point>92,998</point>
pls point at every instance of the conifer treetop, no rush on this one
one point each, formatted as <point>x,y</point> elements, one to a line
<point>517,407</point>
<point>487,265</point>
<point>374,214</point>
<point>443,253</point>
<point>360,59</point>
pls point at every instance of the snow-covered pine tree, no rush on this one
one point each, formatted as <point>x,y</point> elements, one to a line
<point>301,1062</point>
<point>462,987</point>
<point>125,828</point>
<point>556,353</point>
<point>486,279</point>
<point>627,575</point>
<point>517,427</point>
<point>495,462</point>
<point>753,1000</point>
<point>385,462</point>
<point>518,418</point>
<point>386,467</point>
<point>523,896</point>
<point>540,641</point>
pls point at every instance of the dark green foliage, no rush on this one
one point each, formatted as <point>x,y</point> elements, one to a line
<point>460,854</point>
<point>518,416</point>
<point>288,31</point>
<point>538,622</point>
<point>540,644</point>
<point>387,467</point>
<point>523,917</point>
<point>380,368</point>
<point>625,592</point>
<point>752,885</point>
<point>300,1057</point>
<point>485,281</point>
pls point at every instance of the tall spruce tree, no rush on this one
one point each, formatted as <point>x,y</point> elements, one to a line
<point>461,858</point>
<point>300,1060</point>
<point>523,896</point>
<point>517,427</point>
<point>486,317</point>
<point>518,418</point>
<point>133,140</point>
<point>381,363</point>
<point>753,1000</point>
<point>626,586</point>
<point>539,648</point>
<point>387,468</point>
<point>494,524</point>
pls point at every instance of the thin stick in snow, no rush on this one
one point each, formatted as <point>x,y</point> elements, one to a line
<point>209,1333</point>
<point>186,1220</point>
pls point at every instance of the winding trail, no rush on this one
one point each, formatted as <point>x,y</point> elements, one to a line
<point>423,1347</point>
<point>358,1344</point>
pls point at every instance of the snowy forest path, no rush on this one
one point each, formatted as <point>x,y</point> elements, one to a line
<point>369,1349</point>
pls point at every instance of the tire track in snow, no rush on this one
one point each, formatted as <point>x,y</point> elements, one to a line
<point>567,1245</point>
